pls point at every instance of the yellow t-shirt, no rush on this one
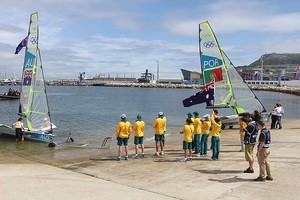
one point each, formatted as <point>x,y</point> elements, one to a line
<point>188,132</point>
<point>205,127</point>
<point>216,128</point>
<point>197,125</point>
<point>123,130</point>
<point>243,125</point>
<point>139,127</point>
<point>160,125</point>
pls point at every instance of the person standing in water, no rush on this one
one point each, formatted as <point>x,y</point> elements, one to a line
<point>18,125</point>
<point>122,134</point>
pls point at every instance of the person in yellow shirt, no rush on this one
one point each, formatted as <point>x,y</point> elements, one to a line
<point>139,127</point>
<point>215,137</point>
<point>243,122</point>
<point>122,134</point>
<point>197,131</point>
<point>187,132</point>
<point>190,116</point>
<point>205,128</point>
<point>164,136</point>
<point>159,126</point>
<point>19,129</point>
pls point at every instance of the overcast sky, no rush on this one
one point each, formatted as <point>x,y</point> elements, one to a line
<point>126,37</point>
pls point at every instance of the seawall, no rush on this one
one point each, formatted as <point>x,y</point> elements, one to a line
<point>288,90</point>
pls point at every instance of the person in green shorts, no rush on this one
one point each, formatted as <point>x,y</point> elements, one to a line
<point>159,126</point>
<point>197,130</point>
<point>122,134</point>
<point>187,132</point>
<point>139,127</point>
<point>206,124</point>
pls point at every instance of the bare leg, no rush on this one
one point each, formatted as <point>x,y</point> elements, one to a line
<point>251,164</point>
<point>142,147</point>
<point>161,146</point>
<point>156,145</point>
<point>119,151</point>
<point>136,149</point>
<point>126,151</point>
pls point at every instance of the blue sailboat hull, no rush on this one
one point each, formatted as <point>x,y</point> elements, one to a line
<point>43,137</point>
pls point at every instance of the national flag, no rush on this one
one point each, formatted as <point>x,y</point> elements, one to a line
<point>211,75</point>
<point>205,95</point>
<point>27,77</point>
<point>22,44</point>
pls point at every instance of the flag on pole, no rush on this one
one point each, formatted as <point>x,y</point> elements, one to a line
<point>203,96</point>
<point>212,75</point>
<point>22,44</point>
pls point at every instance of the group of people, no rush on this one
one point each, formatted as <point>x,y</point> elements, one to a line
<point>12,92</point>
<point>249,128</point>
<point>124,130</point>
<point>276,115</point>
<point>192,129</point>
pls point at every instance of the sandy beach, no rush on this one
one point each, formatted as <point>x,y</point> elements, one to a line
<point>91,174</point>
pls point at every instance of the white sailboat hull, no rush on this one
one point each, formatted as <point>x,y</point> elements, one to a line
<point>42,137</point>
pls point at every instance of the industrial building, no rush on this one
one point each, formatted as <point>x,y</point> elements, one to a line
<point>190,77</point>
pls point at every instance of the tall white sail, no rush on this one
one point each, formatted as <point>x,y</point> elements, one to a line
<point>33,101</point>
<point>230,90</point>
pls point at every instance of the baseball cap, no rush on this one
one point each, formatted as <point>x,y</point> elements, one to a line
<point>206,116</point>
<point>160,113</point>
<point>123,116</point>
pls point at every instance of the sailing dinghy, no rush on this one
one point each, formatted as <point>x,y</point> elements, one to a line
<point>225,88</point>
<point>33,100</point>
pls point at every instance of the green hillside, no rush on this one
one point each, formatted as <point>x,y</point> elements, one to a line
<point>278,59</point>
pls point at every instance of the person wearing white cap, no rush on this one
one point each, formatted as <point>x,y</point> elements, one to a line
<point>122,134</point>
<point>159,126</point>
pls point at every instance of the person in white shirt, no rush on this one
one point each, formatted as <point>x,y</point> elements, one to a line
<point>280,112</point>
<point>273,115</point>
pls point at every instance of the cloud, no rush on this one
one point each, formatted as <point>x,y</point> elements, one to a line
<point>126,37</point>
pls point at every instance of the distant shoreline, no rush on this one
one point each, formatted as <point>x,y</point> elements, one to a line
<point>287,90</point>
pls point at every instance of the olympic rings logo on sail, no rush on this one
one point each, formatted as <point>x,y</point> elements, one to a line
<point>208,44</point>
<point>33,40</point>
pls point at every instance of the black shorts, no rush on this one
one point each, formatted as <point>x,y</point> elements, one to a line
<point>19,133</point>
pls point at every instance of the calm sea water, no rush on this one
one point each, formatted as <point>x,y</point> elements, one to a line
<point>92,113</point>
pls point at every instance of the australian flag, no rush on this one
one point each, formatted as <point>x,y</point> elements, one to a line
<point>204,96</point>
<point>22,44</point>
<point>27,77</point>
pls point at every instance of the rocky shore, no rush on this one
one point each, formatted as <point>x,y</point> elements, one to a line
<point>288,90</point>
<point>151,85</point>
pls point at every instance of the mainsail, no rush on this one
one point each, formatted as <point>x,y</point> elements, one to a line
<point>230,90</point>
<point>33,101</point>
